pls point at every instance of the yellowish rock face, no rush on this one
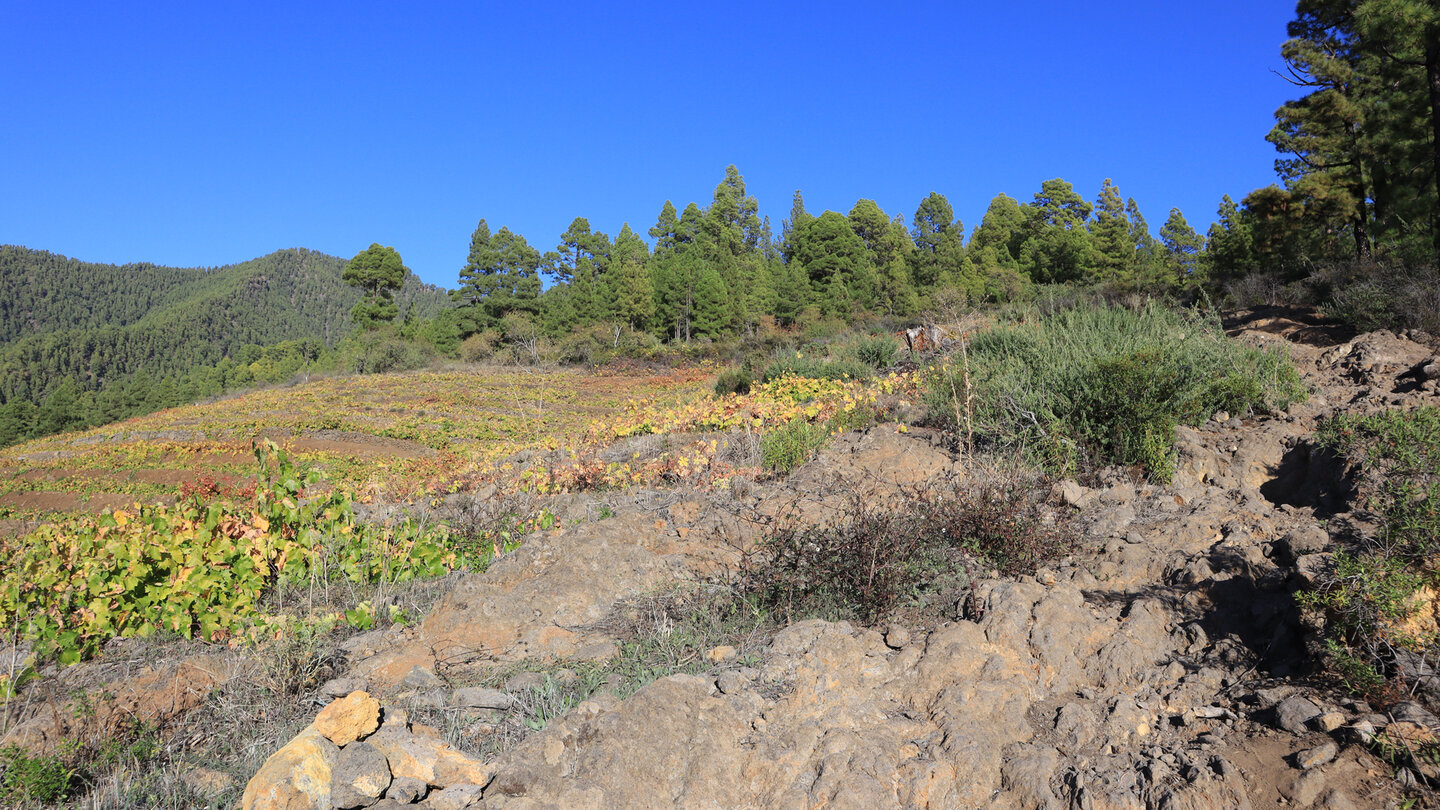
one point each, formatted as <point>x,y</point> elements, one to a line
<point>350,718</point>
<point>295,777</point>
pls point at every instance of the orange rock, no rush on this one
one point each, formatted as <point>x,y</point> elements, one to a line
<point>349,719</point>
<point>296,776</point>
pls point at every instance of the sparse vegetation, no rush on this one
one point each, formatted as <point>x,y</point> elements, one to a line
<point>876,351</point>
<point>789,446</point>
<point>27,779</point>
<point>816,368</point>
<point>1379,600</point>
<point>873,558</point>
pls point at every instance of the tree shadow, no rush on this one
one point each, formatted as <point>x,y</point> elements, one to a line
<point>1313,477</point>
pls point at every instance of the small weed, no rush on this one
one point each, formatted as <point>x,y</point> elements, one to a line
<point>786,448</point>
<point>541,705</point>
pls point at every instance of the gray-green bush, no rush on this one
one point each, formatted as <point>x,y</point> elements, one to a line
<point>1105,385</point>
<point>816,368</point>
<point>875,351</point>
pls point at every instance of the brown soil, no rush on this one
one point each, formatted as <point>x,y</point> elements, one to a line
<point>60,501</point>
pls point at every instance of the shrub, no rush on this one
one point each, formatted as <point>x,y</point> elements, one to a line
<point>1371,297</point>
<point>1105,385</point>
<point>803,365</point>
<point>1397,456</point>
<point>874,351</point>
<point>1370,594</point>
<point>390,354</point>
<point>581,347</point>
<point>872,558</point>
<point>480,346</point>
<point>789,446</point>
<point>733,381</point>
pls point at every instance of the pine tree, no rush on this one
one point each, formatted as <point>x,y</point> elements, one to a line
<point>1229,248</point>
<point>627,282</point>
<point>1114,250</point>
<point>836,261</point>
<point>1057,247</point>
<point>889,250</point>
<point>1149,263</point>
<point>1406,35</point>
<point>1324,131</point>
<point>1002,231</point>
<point>711,312</point>
<point>1183,246</point>
<point>473,285</point>
<point>792,291</point>
<point>377,271</point>
<point>502,274</point>
<point>666,230</point>
<point>799,218</point>
<point>730,237</point>
<point>939,242</point>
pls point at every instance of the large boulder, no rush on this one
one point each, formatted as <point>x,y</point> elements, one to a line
<point>297,777</point>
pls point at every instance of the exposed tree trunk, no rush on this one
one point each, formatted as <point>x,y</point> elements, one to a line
<point>1432,74</point>
<point>1362,229</point>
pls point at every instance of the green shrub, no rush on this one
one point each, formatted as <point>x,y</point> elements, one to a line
<point>785,448</point>
<point>1135,398</point>
<point>874,351</point>
<point>733,381</point>
<point>1371,591</point>
<point>26,778</point>
<point>803,365</point>
<point>1397,454</point>
<point>1104,385</point>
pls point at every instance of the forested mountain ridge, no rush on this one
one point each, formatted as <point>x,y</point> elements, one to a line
<point>96,323</point>
<point>44,292</point>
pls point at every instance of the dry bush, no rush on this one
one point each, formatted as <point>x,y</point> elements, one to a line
<point>873,559</point>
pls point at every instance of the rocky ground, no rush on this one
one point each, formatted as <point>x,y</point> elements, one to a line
<point>1164,665</point>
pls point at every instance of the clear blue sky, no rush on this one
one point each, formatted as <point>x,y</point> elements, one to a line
<point>203,134</point>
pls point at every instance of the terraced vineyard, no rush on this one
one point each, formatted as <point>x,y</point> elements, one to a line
<point>423,434</point>
<point>397,435</point>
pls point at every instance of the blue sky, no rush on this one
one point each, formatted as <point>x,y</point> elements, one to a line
<point>203,134</point>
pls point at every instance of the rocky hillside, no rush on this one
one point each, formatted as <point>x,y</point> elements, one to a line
<point>1164,664</point>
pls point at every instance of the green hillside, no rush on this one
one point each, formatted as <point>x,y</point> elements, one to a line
<point>98,323</point>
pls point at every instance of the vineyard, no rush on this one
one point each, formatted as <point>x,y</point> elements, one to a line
<point>156,525</point>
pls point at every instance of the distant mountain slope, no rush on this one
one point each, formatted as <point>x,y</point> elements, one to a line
<point>43,292</point>
<point>96,322</point>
